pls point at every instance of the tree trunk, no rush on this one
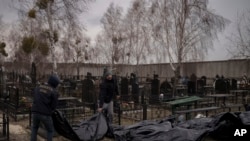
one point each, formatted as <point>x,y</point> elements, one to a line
<point>51,40</point>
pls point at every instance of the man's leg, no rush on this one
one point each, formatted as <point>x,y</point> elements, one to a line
<point>35,126</point>
<point>110,110</point>
<point>48,124</point>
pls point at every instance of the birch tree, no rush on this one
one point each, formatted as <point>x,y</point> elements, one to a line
<point>184,28</point>
<point>239,41</point>
<point>81,51</point>
<point>138,31</point>
<point>3,52</point>
<point>53,16</point>
<point>110,38</point>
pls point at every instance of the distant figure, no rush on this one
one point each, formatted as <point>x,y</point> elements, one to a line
<point>244,79</point>
<point>184,80</point>
<point>44,103</point>
<point>148,79</point>
<point>216,78</point>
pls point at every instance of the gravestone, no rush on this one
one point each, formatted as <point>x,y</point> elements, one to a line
<point>192,84</point>
<point>88,89</point>
<point>204,79</point>
<point>13,95</point>
<point>2,82</point>
<point>33,73</point>
<point>227,81</point>
<point>221,86</point>
<point>234,84</point>
<point>135,88</point>
<point>166,89</point>
<point>200,85</point>
<point>155,91</point>
<point>124,88</point>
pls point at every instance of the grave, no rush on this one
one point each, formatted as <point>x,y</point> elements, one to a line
<point>155,91</point>
<point>166,89</point>
<point>88,89</point>
<point>135,88</point>
<point>221,86</point>
<point>33,73</point>
<point>124,89</point>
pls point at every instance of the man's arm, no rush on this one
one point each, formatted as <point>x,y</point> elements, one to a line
<point>54,100</point>
<point>102,94</point>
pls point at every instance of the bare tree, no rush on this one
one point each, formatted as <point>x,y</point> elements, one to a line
<point>240,41</point>
<point>53,16</point>
<point>112,38</point>
<point>1,23</point>
<point>103,48</point>
<point>184,28</point>
<point>31,40</point>
<point>81,51</point>
<point>2,43</point>
<point>137,32</point>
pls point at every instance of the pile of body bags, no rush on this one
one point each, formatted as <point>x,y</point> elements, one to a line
<point>222,127</point>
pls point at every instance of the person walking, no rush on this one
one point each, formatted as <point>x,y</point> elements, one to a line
<point>45,100</point>
<point>108,91</point>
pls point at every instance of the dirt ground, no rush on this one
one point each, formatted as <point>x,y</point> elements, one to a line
<point>20,131</point>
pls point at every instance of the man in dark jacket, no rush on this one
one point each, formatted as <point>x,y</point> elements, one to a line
<point>108,91</point>
<point>44,103</point>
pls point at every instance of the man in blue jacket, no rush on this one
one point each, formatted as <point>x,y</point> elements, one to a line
<point>45,99</point>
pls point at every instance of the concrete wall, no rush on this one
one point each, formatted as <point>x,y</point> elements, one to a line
<point>228,68</point>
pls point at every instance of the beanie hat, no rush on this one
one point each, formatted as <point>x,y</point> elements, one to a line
<point>108,73</point>
<point>53,81</point>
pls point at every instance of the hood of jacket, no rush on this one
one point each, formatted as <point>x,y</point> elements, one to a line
<point>53,81</point>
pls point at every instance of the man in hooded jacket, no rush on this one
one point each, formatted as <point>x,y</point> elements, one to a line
<point>45,99</point>
<point>108,92</point>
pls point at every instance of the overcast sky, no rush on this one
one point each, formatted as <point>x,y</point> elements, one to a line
<point>226,8</point>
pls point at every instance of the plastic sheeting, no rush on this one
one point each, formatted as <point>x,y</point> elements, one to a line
<point>62,126</point>
<point>92,129</point>
<point>221,127</point>
<point>157,131</point>
<point>245,118</point>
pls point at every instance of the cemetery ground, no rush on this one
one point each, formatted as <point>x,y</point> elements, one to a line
<point>20,130</point>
